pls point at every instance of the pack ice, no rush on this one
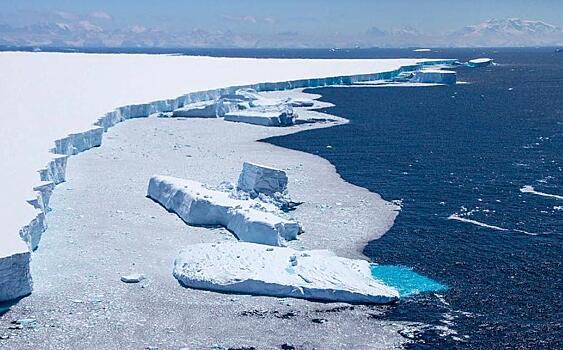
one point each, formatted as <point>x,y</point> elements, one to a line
<point>238,267</point>
<point>249,219</point>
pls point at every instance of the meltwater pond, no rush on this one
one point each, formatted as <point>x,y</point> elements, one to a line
<point>472,164</point>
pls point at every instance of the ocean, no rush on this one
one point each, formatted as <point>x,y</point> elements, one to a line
<point>461,159</point>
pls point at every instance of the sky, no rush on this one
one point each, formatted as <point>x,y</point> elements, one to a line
<point>308,18</point>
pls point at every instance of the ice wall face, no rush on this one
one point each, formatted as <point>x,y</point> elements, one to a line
<point>15,279</point>
<point>280,272</point>
<point>249,220</point>
<point>435,76</point>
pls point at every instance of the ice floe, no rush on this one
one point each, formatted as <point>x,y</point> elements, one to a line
<point>249,219</point>
<point>237,267</point>
<point>475,222</point>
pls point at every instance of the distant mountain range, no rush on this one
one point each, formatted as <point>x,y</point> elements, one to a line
<point>512,32</point>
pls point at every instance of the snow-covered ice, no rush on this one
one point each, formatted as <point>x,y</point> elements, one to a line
<point>248,268</point>
<point>249,219</point>
<point>256,179</point>
<point>438,76</point>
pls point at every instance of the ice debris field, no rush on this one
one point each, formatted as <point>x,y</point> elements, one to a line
<point>77,97</point>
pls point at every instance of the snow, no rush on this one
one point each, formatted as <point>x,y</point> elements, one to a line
<point>249,219</point>
<point>237,267</point>
<point>257,179</point>
<point>63,102</point>
<point>434,76</point>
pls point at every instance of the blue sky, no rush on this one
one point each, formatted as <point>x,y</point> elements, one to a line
<point>291,15</point>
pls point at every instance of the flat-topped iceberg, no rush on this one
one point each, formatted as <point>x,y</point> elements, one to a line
<point>480,62</point>
<point>249,219</point>
<point>435,76</point>
<point>236,267</point>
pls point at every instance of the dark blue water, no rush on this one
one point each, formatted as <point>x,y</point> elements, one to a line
<point>465,150</point>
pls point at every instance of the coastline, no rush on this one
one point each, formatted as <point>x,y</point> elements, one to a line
<point>138,235</point>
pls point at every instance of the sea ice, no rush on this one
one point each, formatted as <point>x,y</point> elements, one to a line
<point>237,267</point>
<point>249,219</point>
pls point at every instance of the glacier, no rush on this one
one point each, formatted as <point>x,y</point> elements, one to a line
<point>26,141</point>
<point>249,219</point>
<point>238,267</point>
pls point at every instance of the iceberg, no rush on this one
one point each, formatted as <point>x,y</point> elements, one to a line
<point>249,219</point>
<point>236,267</point>
<point>434,76</point>
<point>264,118</point>
<point>301,102</point>
<point>256,179</point>
<point>207,109</point>
<point>480,62</point>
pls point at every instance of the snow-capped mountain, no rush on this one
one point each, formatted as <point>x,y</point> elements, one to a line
<point>99,32</point>
<point>507,32</point>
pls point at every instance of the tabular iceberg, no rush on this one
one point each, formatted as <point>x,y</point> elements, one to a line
<point>250,220</point>
<point>265,118</point>
<point>206,109</point>
<point>255,269</point>
<point>480,62</point>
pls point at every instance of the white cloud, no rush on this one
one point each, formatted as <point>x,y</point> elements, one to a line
<point>101,15</point>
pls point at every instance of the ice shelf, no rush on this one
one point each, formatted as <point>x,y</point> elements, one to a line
<point>31,221</point>
<point>237,267</point>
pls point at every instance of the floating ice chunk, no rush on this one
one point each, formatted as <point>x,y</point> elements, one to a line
<point>248,268</point>
<point>249,220</point>
<point>480,62</point>
<point>422,50</point>
<point>207,109</point>
<point>133,278</point>
<point>256,179</point>
<point>301,102</point>
<point>265,118</point>
<point>438,76</point>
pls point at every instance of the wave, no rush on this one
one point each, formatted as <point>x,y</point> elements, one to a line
<point>475,222</point>
<point>530,189</point>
